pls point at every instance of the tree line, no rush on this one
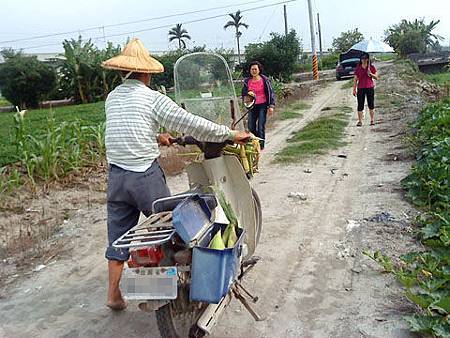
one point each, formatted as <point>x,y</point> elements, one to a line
<point>25,81</point>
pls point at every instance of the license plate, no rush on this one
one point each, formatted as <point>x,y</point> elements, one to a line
<point>351,73</point>
<point>149,283</point>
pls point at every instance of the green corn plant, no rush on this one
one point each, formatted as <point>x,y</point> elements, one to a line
<point>62,148</point>
<point>29,161</point>
<point>46,155</point>
<point>9,180</point>
<point>97,134</point>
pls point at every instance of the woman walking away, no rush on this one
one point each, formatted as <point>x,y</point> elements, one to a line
<point>265,100</point>
<point>363,80</point>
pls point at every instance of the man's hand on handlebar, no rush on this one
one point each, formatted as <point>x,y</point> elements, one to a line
<point>165,139</point>
<point>241,137</point>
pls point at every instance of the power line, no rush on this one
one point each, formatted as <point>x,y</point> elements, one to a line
<point>125,23</point>
<point>167,25</point>
<point>267,23</point>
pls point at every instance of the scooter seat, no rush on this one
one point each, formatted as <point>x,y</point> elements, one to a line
<point>169,203</point>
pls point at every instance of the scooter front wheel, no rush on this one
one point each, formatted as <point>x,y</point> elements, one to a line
<point>258,214</point>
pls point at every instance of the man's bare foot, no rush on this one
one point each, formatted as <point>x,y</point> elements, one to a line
<point>118,306</point>
<point>115,301</point>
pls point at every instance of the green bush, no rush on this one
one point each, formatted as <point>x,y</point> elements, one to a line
<point>428,185</point>
<point>329,61</point>
<point>4,102</point>
<point>278,56</point>
<point>24,80</point>
<point>346,40</point>
<point>168,61</point>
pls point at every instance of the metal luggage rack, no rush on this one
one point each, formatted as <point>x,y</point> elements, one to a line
<point>157,229</point>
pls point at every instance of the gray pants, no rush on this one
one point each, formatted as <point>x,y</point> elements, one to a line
<point>129,194</point>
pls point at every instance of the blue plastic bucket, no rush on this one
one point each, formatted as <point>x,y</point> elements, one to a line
<point>213,271</point>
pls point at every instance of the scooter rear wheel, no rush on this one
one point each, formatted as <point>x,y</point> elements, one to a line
<point>179,317</point>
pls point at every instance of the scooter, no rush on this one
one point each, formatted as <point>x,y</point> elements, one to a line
<point>172,268</point>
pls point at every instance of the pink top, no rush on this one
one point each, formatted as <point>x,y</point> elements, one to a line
<point>364,81</point>
<point>258,88</point>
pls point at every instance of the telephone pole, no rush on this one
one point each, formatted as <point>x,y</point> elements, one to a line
<point>320,37</point>
<point>285,22</point>
<point>313,44</point>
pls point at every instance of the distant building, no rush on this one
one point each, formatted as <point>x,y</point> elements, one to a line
<point>52,59</point>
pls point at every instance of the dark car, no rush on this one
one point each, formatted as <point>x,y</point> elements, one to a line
<point>347,63</point>
<point>346,68</point>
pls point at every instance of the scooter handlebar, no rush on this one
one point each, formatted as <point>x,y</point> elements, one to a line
<point>210,149</point>
<point>189,140</point>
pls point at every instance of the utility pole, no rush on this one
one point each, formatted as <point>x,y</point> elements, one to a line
<point>320,38</point>
<point>313,44</point>
<point>285,22</point>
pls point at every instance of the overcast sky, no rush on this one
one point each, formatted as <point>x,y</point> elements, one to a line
<point>24,19</point>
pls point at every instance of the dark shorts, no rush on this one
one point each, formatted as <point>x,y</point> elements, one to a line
<point>129,194</point>
<point>366,92</point>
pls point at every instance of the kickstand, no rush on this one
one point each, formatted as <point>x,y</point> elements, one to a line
<point>241,287</point>
<point>244,302</point>
<point>248,265</point>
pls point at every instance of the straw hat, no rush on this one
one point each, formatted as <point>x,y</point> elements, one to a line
<point>134,58</point>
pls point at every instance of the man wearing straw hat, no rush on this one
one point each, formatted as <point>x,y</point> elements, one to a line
<point>134,115</point>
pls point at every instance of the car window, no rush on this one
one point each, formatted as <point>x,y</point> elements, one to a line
<point>350,61</point>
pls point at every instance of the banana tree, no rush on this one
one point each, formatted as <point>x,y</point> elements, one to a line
<point>107,79</point>
<point>79,66</point>
<point>236,23</point>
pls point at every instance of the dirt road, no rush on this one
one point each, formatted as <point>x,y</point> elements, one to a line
<point>312,280</point>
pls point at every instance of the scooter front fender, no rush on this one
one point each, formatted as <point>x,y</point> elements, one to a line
<point>227,174</point>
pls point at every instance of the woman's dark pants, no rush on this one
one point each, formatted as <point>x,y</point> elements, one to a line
<point>257,121</point>
<point>362,94</point>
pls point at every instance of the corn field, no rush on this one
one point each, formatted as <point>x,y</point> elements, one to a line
<point>62,148</point>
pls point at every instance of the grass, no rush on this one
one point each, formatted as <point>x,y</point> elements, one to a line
<point>342,109</point>
<point>386,56</point>
<point>317,137</point>
<point>292,110</point>
<point>289,114</point>
<point>4,102</point>
<point>347,85</point>
<point>441,79</point>
<point>36,124</point>
<point>300,105</point>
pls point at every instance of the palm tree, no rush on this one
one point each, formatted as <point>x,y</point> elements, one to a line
<point>236,23</point>
<point>176,33</point>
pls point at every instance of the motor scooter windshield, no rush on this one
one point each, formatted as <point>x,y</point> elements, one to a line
<point>204,86</point>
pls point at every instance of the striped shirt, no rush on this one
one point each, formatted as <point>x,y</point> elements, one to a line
<point>134,115</point>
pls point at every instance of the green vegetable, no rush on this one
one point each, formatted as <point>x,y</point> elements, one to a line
<point>217,242</point>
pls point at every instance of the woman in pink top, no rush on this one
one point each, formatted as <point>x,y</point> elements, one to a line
<point>265,100</point>
<point>363,80</point>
